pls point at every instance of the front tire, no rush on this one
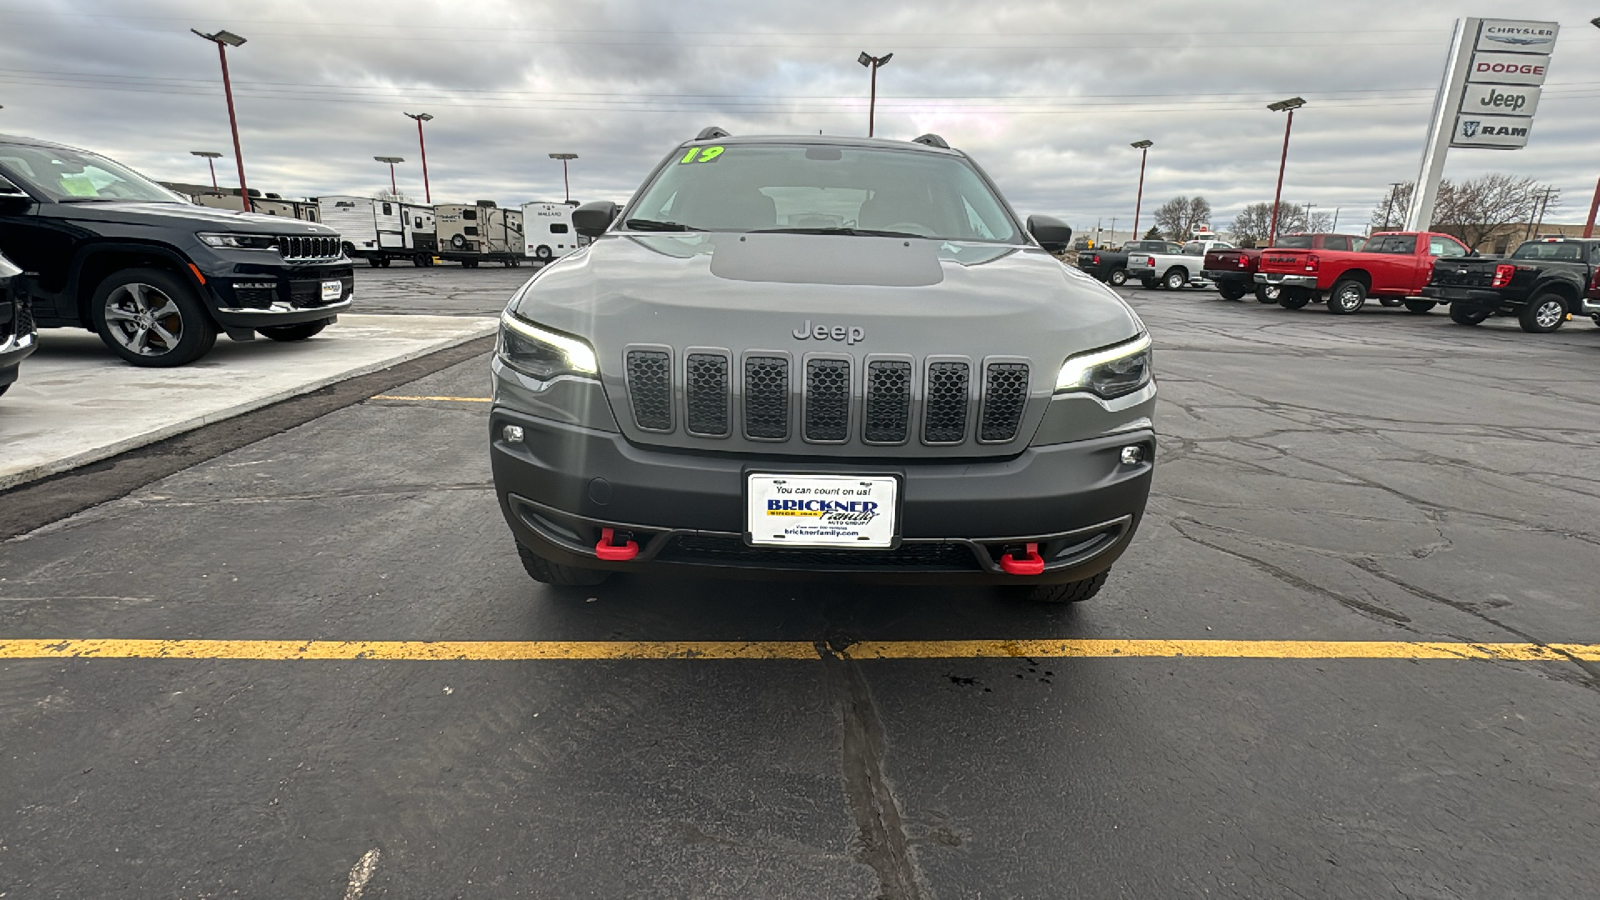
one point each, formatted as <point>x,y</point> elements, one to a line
<point>152,318</point>
<point>1347,296</point>
<point>1071,592</point>
<point>1118,277</point>
<point>546,572</point>
<point>298,332</point>
<point>1176,279</point>
<point>1420,307</point>
<point>1543,314</point>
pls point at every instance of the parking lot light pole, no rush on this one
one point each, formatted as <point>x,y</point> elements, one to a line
<point>211,158</point>
<point>1144,152</point>
<point>1289,106</point>
<point>224,40</point>
<point>873,63</point>
<point>391,160</point>
<point>564,157</point>
<point>1594,207</point>
<point>427,192</point>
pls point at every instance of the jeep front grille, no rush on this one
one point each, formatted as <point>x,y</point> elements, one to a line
<point>766,398</point>
<point>888,402</point>
<point>827,401</point>
<point>945,417</point>
<point>650,389</point>
<point>835,407</point>
<point>707,395</point>
<point>308,247</point>
<point>1005,394</point>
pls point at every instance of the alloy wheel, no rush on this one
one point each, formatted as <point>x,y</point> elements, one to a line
<point>144,320</point>
<point>1550,313</point>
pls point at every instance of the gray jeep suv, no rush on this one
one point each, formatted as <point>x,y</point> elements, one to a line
<point>795,356</point>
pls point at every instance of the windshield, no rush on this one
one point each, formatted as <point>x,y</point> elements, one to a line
<point>64,175</point>
<point>1295,242</point>
<point>823,189</point>
<point>1550,251</point>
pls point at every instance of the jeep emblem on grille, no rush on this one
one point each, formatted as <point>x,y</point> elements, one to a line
<point>829,333</point>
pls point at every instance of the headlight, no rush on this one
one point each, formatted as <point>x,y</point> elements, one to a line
<point>1111,372</point>
<point>239,241</point>
<point>542,353</point>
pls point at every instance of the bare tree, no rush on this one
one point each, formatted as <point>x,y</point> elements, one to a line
<point>1253,225</point>
<point>1199,214</point>
<point>1478,210</point>
<point>1172,217</point>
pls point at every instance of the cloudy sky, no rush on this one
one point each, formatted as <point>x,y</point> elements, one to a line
<point>1047,96</point>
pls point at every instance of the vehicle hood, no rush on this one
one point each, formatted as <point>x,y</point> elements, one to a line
<point>771,293</point>
<point>755,291</point>
<point>185,215</point>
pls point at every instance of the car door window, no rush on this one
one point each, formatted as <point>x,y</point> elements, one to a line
<point>1445,247</point>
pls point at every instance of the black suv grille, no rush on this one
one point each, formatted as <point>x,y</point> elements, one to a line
<point>708,549</point>
<point>707,394</point>
<point>650,389</point>
<point>308,247</point>
<point>1005,394</point>
<point>766,397</point>
<point>945,421</point>
<point>827,400</point>
<point>888,413</point>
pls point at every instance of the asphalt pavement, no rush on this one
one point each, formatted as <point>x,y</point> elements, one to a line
<point>1383,480</point>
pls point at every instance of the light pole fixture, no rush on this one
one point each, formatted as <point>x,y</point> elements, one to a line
<point>1594,207</point>
<point>211,157</point>
<point>427,192</point>
<point>391,160</point>
<point>1144,152</point>
<point>1289,106</point>
<point>874,63</point>
<point>224,40</point>
<point>564,157</point>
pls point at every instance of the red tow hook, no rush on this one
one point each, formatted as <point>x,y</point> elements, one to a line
<point>1032,564</point>
<point>610,551</point>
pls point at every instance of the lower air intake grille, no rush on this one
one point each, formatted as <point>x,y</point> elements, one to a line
<point>1005,393</point>
<point>827,399</point>
<point>945,418</point>
<point>888,412</point>
<point>650,389</point>
<point>716,550</point>
<point>766,397</point>
<point>707,395</point>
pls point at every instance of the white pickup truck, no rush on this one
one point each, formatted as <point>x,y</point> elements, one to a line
<point>1174,270</point>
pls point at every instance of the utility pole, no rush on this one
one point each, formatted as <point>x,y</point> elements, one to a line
<point>1309,207</point>
<point>1144,153</point>
<point>1335,228</point>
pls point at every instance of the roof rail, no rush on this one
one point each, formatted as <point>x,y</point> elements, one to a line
<point>712,133</point>
<point>931,140</point>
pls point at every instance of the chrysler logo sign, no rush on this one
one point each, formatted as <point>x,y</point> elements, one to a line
<point>1520,36</point>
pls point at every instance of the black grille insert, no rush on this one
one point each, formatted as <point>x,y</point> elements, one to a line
<point>707,394</point>
<point>718,550</point>
<point>827,399</point>
<point>766,397</point>
<point>945,414</point>
<point>888,407</point>
<point>650,389</point>
<point>308,247</point>
<point>1005,394</point>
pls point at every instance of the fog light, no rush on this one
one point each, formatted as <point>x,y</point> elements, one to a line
<point>513,435</point>
<point>1132,455</point>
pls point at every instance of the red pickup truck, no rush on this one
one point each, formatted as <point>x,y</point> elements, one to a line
<point>1392,266</point>
<point>1234,271</point>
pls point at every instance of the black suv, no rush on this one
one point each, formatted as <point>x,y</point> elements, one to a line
<point>17,337</point>
<point>107,249</point>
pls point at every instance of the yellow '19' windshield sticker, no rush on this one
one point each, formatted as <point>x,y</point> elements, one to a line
<point>701,155</point>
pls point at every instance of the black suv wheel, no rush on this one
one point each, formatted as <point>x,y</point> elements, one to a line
<point>546,572</point>
<point>1071,592</point>
<point>150,317</point>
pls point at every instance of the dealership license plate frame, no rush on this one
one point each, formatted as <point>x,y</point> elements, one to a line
<point>751,538</point>
<point>337,288</point>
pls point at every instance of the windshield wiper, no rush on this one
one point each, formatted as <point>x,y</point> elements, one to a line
<point>653,225</point>
<point>859,232</point>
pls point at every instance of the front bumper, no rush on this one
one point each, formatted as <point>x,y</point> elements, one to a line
<point>1474,296</point>
<point>13,350</point>
<point>1307,282</point>
<point>256,289</point>
<point>562,483</point>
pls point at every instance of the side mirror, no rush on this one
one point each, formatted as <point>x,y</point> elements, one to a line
<point>12,197</point>
<point>592,219</point>
<point>1054,235</point>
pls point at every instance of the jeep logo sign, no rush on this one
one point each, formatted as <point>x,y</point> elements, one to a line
<point>1500,99</point>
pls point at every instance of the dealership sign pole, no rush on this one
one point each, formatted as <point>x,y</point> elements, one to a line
<point>1486,100</point>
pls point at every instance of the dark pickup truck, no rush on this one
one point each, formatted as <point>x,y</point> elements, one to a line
<point>1111,266</point>
<point>1541,283</point>
<point>1233,271</point>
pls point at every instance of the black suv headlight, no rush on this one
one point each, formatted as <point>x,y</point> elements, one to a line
<point>1111,372</point>
<point>543,353</point>
<point>239,241</point>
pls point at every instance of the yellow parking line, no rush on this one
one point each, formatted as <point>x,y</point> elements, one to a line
<point>110,648</point>
<point>415,399</point>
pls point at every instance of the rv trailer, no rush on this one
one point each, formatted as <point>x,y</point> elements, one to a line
<point>547,230</point>
<point>473,233</point>
<point>381,231</point>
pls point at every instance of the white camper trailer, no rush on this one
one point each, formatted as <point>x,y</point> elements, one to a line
<point>381,231</point>
<point>547,230</point>
<point>479,232</point>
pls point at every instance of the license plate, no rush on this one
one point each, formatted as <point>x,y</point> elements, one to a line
<point>821,510</point>
<point>331,290</point>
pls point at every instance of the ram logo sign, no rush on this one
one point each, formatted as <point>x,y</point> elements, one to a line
<point>1491,132</point>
